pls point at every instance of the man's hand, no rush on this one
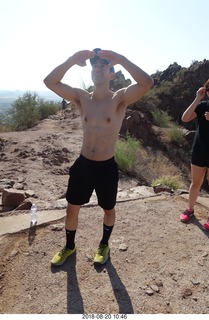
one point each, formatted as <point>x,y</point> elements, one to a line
<point>80,57</point>
<point>113,57</point>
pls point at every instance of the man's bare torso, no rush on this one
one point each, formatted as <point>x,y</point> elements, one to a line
<point>102,111</point>
<point>101,121</point>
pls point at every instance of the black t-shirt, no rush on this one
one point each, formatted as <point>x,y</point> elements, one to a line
<point>201,141</point>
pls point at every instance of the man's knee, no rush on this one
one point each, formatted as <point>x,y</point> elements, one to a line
<point>72,210</point>
<point>109,212</point>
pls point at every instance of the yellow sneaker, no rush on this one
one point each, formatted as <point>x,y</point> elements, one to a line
<point>102,254</point>
<point>61,256</point>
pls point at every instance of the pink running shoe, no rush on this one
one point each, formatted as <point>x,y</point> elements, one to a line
<point>206,225</point>
<point>187,215</point>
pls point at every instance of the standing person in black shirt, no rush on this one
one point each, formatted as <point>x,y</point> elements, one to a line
<point>200,149</point>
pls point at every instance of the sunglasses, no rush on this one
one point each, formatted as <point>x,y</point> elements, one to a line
<point>207,89</point>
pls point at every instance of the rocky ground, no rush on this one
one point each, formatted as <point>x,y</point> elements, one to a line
<point>157,264</point>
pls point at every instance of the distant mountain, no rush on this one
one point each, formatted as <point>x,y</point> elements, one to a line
<point>9,94</point>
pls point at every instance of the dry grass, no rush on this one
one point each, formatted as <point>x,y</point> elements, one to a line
<point>153,165</point>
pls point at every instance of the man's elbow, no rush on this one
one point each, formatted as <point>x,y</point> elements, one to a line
<point>46,82</point>
<point>148,84</point>
<point>49,84</point>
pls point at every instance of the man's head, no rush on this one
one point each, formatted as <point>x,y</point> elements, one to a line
<point>96,58</point>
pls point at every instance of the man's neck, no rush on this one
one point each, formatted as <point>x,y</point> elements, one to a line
<point>100,93</point>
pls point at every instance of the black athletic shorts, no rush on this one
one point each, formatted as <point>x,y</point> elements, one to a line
<point>200,160</point>
<point>89,175</point>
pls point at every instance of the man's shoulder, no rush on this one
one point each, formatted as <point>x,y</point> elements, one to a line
<point>119,93</point>
<point>82,93</point>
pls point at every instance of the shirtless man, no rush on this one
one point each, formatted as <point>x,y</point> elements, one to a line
<point>102,113</point>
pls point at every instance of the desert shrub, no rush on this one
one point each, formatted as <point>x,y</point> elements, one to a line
<point>126,153</point>
<point>28,110</point>
<point>5,126</point>
<point>173,182</point>
<point>24,112</point>
<point>161,118</point>
<point>166,87</point>
<point>175,135</point>
<point>47,108</point>
<point>150,98</point>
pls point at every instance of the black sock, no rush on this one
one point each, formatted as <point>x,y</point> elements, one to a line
<point>106,234</point>
<point>70,239</point>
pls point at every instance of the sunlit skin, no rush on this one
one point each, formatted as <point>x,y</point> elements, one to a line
<point>101,111</point>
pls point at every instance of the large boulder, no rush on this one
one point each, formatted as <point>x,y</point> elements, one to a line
<point>137,125</point>
<point>12,197</point>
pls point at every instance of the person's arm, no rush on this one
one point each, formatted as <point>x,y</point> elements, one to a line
<point>190,114</point>
<point>143,81</point>
<point>53,80</point>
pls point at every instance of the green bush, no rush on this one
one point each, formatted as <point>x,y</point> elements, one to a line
<point>5,127</point>
<point>175,135</point>
<point>173,182</point>
<point>161,118</point>
<point>126,153</point>
<point>27,111</point>
<point>47,108</point>
<point>24,112</point>
<point>166,87</point>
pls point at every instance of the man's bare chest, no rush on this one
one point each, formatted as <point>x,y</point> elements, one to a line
<point>103,114</point>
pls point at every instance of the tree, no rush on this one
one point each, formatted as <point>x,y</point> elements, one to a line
<point>29,109</point>
<point>24,112</point>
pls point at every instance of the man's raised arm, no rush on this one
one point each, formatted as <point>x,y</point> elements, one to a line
<point>53,80</point>
<point>143,81</point>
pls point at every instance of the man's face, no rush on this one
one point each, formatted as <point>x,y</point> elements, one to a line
<point>100,72</point>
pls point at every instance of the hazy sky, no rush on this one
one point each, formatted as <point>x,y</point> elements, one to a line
<point>37,35</point>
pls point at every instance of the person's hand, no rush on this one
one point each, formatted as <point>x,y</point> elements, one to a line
<point>80,57</point>
<point>201,93</point>
<point>111,56</point>
<point>207,115</point>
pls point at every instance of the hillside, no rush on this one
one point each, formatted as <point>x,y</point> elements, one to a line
<point>173,91</point>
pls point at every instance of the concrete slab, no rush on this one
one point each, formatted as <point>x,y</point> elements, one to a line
<point>20,222</point>
<point>15,223</point>
<point>204,201</point>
